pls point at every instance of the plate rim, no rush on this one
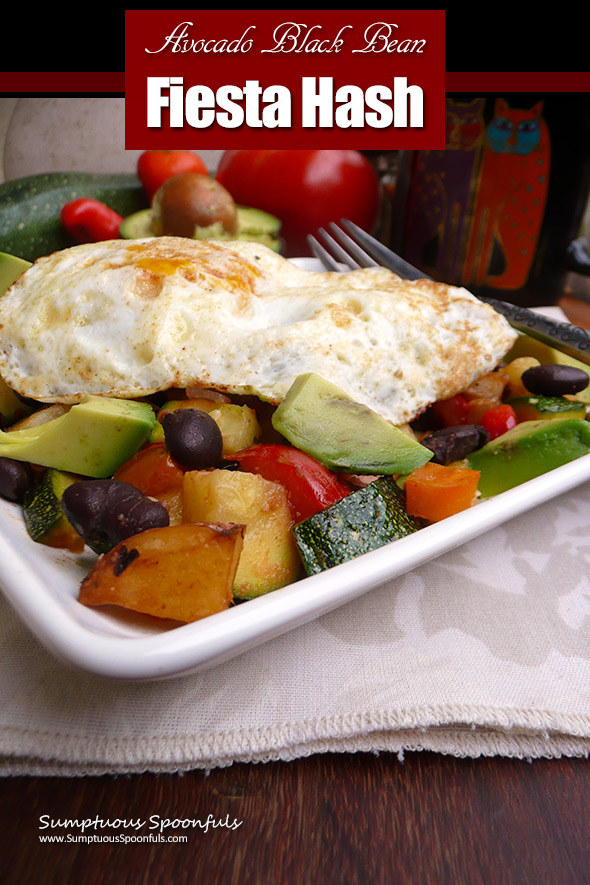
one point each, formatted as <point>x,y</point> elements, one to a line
<point>190,648</point>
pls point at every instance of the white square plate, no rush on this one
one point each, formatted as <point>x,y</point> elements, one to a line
<point>42,584</point>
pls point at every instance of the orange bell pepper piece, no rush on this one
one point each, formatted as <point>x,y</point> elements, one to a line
<point>434,491</point>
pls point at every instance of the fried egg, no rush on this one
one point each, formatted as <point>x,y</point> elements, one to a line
<point>126,318</point>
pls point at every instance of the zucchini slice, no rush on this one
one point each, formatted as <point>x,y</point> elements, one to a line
<point>44,518</point>
<point>363,521</point>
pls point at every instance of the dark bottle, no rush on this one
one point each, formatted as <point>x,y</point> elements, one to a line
<point>499,209</point>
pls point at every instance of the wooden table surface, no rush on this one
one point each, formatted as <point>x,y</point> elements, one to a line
<point>351,818</point>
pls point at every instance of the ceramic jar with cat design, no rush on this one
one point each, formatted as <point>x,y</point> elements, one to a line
<point>499,209</point>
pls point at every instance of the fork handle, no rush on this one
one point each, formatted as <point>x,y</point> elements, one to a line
<point>571,340</point>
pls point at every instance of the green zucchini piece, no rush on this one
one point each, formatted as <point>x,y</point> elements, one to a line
<point>363,521</point>
<point>319,418</point>
<point>30,207</point>
<point>534,408</point>
<point>45,520</point>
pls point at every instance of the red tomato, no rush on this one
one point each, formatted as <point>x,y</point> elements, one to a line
<point>499,420</point>
<point>155,167</point>
<point>90,221</point>
<point>304,189</point>
<point>451,412</point>
<point>152,471</point>
<point>310,486</point>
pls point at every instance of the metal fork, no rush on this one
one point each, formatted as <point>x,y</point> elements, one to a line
<point>349,247</point>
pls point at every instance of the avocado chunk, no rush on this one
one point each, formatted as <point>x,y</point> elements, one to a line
<point>12,408</point>
<point>319,418</point>
<point>137,225</point>
<point>528,450</point>
<point>525,345</point>
<point>253,225</point>
<point>11,268</point>
<point>92,439</point>
<point>256,221</point>
<point>535,408</point>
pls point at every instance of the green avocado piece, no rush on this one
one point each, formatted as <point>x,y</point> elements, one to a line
<point>525,345</point>
<point>11,268</point>
<point>319,418</point>
<point>529,450</point>
<point>534,408</point>
<point>137,225</point>
<point>12,408</point>
<point>256,221</point>
<point>92,439</point>
<point>253,225</point>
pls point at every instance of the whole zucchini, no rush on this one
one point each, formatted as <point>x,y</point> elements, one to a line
<point>30,207</point>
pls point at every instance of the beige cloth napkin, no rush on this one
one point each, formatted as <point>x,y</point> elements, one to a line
<point>484,651</point>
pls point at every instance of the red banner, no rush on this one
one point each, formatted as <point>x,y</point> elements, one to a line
<point>292,78</point>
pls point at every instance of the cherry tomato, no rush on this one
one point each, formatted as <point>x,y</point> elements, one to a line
<point>499,420</point>
<point>90,221</point>
<point>310,486</point>
<point>304,189</point>
<point>156,167</point>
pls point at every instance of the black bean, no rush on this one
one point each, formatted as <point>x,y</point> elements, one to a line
<point>107,511</point>
<point>555,380</point>
<point>16,478</point>
<point>455,443</point>
<point>193,438</point>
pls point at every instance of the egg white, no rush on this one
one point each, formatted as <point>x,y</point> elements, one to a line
<point>126,318</point>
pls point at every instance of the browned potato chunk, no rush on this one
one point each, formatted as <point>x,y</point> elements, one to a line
<point>184,572</point>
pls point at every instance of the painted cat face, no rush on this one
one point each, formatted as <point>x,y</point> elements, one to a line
<point>463,124</point>
<point>513,130</point>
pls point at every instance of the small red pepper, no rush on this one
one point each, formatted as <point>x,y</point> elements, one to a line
<point>310,486</point>
<point>90,221</point>
<point>499,420</point>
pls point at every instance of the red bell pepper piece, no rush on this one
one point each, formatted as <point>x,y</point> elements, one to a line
<point>90,221</point>
<point>499,420</point>
<point>310,486</point>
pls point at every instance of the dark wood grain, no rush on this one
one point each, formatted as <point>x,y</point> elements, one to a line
<point>327,819</point>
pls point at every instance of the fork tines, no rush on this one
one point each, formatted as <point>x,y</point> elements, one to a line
<point>355,248</point>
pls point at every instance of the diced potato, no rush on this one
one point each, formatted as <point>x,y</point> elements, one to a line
<point>238,424</point>
<point>182,572</point>
<point>270,558</point>
<point>239,427</point>
<point>490,386</point>
<point>514,371</point>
